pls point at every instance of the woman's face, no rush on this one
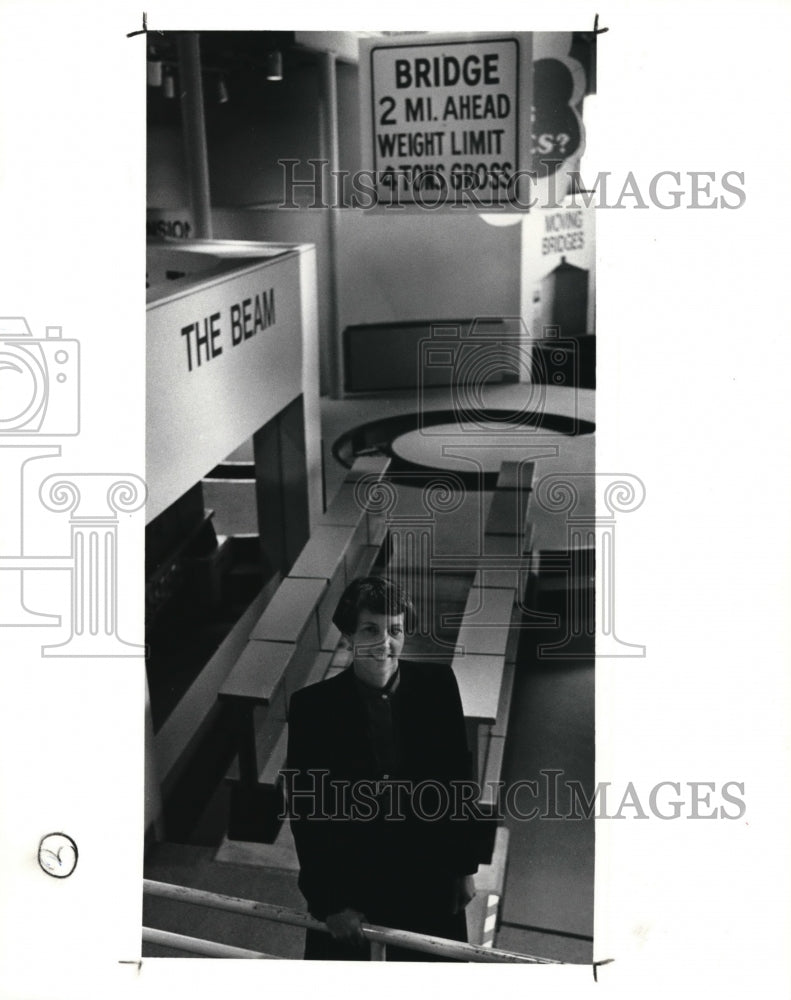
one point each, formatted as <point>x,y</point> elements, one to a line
<point>377,644</point>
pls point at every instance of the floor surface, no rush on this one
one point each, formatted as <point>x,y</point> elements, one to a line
<point>547,904</point>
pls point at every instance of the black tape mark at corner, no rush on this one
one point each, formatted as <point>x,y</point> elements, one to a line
<point>604,961</point>
<point>132,961</point>
<point>144,30</point>
<point>596,29</point>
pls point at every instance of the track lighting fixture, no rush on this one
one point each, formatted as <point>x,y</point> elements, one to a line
<point>168,85</point>
<point>274,65</point>
<point>153,69</point>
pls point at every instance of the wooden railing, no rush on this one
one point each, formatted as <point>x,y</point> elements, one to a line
<point>379,937</point>
<point>199,946</point>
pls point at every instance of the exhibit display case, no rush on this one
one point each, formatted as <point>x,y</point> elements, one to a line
<point>233,463</point>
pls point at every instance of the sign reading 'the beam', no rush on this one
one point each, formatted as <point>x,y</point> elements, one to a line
<point>446,118</point>
<point>224,356</point>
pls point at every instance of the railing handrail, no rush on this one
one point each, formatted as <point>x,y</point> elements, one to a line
<point>200,946</point>
<point>377,935</point>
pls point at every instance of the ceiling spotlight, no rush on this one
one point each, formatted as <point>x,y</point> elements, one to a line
<point>274,65</point>
<point>222,91</point>
<point>168,86</point>
<point>154,69</point>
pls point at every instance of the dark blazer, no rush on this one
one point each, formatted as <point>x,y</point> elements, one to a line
<point>388,846</point>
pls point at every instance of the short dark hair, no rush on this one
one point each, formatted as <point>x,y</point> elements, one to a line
<point>371,593</point>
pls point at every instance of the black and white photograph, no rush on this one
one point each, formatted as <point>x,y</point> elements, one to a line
<point>379,408</point>
<point>371,379</point>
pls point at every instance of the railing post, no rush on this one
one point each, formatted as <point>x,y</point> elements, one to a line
<point>378,951</point>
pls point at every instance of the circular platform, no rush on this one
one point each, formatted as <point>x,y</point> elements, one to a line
<point>482,446</point>
<point>416,439</point>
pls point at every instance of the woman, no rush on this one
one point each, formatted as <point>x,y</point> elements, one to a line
<point>377,765</point>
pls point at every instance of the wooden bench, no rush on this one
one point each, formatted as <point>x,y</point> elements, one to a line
<point>270,738</point>
<point>491,771</point>
<point>260,709</point>
<point>566,592</point>
<point>508,533</point>
<point>329,555</point>
<point>490,614</point>
<point>230,489</point>
<point>480,659</point>
<point>485,662</point>
<point>508,510</point>
<point>294,642</point>
<point>348,509</point>
<point>348,533</point>
<point>367,466</point>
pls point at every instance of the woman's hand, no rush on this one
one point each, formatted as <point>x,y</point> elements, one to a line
<point>463,892</point>
<point>346,926</point>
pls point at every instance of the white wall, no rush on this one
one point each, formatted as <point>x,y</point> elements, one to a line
<point>302,225</point>
<point>549,235</point>
<point>403,266</point>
